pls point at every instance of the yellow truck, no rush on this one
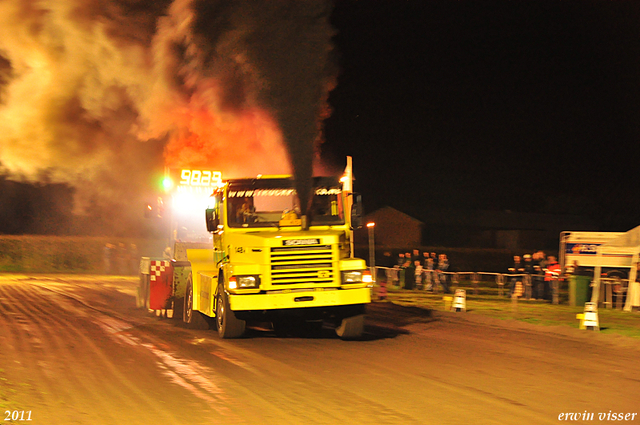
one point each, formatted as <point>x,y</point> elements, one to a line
<point>270,263</point>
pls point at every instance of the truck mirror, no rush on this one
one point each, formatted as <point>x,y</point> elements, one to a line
<point>211,219</point>
<point>356,212</point>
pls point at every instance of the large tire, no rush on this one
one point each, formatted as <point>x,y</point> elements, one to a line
<point>178,308</point>
<point>192,318</point>
<point>229,326</point>
<point>351,327</point>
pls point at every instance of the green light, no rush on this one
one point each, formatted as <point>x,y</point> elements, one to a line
<point>167,183</point>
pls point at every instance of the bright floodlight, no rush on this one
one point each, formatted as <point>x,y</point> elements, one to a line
<point>167,183</point>
<point>371,224</point>
<point>188,203</point>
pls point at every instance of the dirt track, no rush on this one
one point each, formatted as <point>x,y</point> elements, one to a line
<point>74,350</point>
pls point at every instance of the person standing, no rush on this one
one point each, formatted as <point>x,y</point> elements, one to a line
<point>552,276</point>
<point>401,269</point>
<point>434,275</point>
<point>427,267</point>
<point>443,266</point>
<point>409,274</point>
<point>538,275</point>
<point>418,274</point>
<point>544,292</point>
<point>387,262</point>
<point>528,271</point>
<point>415,255</point>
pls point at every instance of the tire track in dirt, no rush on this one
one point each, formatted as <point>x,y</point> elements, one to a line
<point>147,351</point>
<point>435,372</point>
<point>272,402</point>
<point>185,373</point>
<point>202,382</point>
<point>282,393</point>
<point>24,365</point>
<point>11,370</point>
<point>82,391</point>
<point>88,386</point>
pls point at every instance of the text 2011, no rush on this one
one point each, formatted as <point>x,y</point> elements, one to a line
<point>17,415</point>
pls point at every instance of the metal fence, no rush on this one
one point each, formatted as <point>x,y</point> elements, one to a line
<point>507,284</point>
<point>610,294</point>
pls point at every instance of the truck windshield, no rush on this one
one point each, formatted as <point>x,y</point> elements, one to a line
<point>264,205</point>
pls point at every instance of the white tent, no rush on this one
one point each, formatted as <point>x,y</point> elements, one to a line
<point>627,245</point>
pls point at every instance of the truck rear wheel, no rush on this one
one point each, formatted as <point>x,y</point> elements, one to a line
<point>178,308</point>
<point>229,326</point>
<point>193,319</point>
<point>351,327</point>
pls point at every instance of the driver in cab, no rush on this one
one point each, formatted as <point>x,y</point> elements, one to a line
<point>245,214</point>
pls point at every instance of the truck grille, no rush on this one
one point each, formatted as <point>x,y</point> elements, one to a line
<point>302,264</point>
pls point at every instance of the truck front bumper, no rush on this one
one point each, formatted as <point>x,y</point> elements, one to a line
<point>301,299</point>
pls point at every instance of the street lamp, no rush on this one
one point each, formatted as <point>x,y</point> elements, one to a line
<point>372,251</point>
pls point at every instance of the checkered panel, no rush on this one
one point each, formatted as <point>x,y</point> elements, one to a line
<point>156,269</point>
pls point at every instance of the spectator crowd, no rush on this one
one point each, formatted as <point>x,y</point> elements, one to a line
<point>412,270</point>
<point>429,271</point>
<point>536,268</point>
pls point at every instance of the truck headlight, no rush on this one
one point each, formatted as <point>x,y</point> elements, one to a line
<point>244,282</point>
<point>356,276</point>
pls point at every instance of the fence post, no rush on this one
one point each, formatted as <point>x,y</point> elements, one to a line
<point>527,283</point>
<point>475,280</point>
<point>554,291</point>
<point>619,290</point>
<point>500,281</point>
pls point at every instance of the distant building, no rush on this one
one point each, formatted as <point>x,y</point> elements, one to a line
<point>393,229</point>
<point>467,228</point>
<point>510,230</point>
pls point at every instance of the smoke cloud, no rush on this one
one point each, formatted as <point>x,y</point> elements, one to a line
<point>103,94</point>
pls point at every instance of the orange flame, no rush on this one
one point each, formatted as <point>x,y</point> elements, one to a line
<point>240,144</point>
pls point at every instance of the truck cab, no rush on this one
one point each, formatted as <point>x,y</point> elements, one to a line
<point>269,262</point>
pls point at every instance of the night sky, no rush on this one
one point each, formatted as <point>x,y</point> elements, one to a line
<point>501,105</point>
<point>530,106</point>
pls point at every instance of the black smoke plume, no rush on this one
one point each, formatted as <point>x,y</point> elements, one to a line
<point>103,94</point>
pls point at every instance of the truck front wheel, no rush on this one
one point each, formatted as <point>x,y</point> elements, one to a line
<point>351,327</point>
<point>229,326</point>
<point>193,319</point>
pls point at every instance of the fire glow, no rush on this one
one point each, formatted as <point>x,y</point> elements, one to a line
<point>246,143</point>
<point>100,94</point>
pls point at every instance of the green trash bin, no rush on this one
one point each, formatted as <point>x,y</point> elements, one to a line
<point>578,290</point>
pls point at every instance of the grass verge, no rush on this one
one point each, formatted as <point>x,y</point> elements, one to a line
<point>489,303</point>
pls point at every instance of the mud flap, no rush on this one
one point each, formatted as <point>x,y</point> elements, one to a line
<point>160,284</point>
